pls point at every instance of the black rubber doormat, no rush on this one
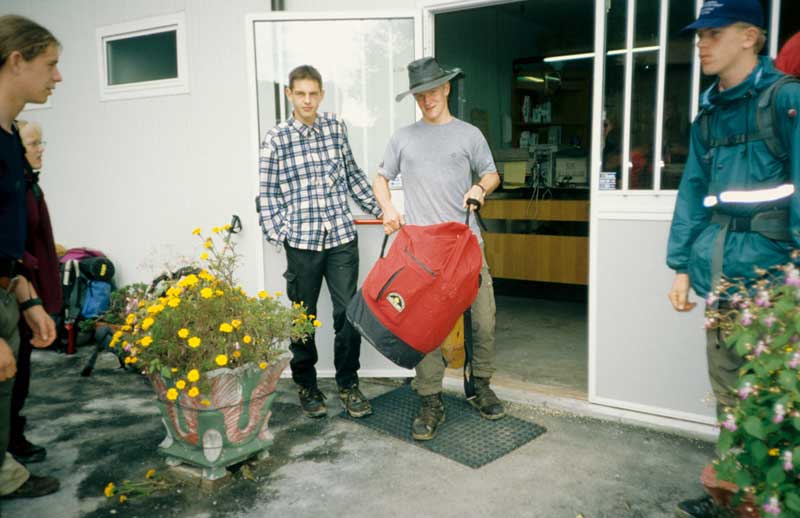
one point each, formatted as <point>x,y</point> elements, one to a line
<point>464,437</point>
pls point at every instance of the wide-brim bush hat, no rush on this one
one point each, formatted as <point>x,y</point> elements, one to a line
<point>721,13</point>
<point>426,73</point>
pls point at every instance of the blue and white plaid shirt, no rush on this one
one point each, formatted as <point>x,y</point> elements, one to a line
<point>306,173</point>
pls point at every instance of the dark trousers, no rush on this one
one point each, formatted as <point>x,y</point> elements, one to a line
<point>304,273</point>
<point>22,382</point>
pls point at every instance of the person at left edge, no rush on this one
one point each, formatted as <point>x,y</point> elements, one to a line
<point>307,171</point>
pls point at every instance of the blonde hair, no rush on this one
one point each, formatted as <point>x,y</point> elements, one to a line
<point>35,126</point>
<point>761,39</point>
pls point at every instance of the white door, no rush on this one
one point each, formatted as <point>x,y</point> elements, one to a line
<point>362,58</point>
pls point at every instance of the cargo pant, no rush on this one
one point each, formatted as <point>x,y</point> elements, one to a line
<point>12,473</point>
<point>430,371</point>
<point>723,369</point>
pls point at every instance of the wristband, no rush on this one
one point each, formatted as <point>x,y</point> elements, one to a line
<point>482,187</point>
<point>28,304</point>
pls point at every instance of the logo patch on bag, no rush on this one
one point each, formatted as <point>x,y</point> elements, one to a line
<point>397,302</point>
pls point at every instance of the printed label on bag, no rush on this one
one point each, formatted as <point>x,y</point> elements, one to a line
<point>397,302</point>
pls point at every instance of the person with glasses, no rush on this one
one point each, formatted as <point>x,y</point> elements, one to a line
<point>41,262</point>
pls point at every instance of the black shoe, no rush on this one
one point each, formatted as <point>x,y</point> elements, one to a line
<point>431,415</point>
<point>26,452</point>
<point>354,402</point>
<point>312,401</point>
<point>486,401</point>
<point>35,487</point>
<point>703,507</point>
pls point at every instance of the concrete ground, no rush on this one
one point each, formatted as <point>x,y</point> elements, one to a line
<point>106,428</point>
<point>543,342</point>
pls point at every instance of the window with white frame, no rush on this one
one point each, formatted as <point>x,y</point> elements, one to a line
<point>143,58</point>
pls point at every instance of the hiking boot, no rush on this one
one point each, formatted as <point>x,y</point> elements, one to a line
<point>26,452</point>
<point>431,415</point>
<point>35,487</point>
<point>354,402</point>
<point>312,401</point>
<point>703,507</point>
<point>486,401</point>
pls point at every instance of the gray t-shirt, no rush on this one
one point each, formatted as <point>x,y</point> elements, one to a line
<point>437,162</point>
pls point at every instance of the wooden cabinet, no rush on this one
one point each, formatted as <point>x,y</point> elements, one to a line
<point>538,256</point>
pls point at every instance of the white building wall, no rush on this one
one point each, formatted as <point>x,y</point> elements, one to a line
<point>134,177</point>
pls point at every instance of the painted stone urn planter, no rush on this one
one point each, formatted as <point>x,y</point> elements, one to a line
<point>723,491</point>
<point>231,428</point>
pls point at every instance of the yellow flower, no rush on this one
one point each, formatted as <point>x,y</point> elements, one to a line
<point>130,319</point>
<point>122,499</point>
<point>263,294</point>
<point>150,473</point>
<point>225,327</point>
<point>226,226</point>
<point>317,323</point>
<point>113,342</point>
<point>183,332</point>
<point>174,302</point>
<point>196,232</point>
<point>194,342</point>
<point>204,256</point>
<point>205,402</point>
<point>172,394</point>
<point>193,392</point>
<point>117,335</point>
<point>206,276</point>
<point>236,323</point>
<point>126,327</point>
<point>141,303</point>
<point>236,354</point>
<point>174,369</point>
<point>134,359</point>
<point>193,375</point>
<point>262,365</point>
<point>180,384</point>
<point>774,452</point>
<point>155,309</point>
<point>247,339</point>
<point>206,293</point>
<point>278,293</point>
<point>215,230</point>
<point>312,317</point>
<point>189,280</point>
<point>219,293</point>
<point>147,323</point>
<point>109,490</point>
<point>222,360</point>
<point>208,243</point>
<point>146,341</point>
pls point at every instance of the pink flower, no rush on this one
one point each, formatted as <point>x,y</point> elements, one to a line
<point>788,465</point>
<point>772,507</point>
<point>711,299</point>
<point>792,276</point>
<point>729,423</point>
<point>780,412</point>
<point>745,391</point>
<point>710,322</point>
<point>762,299</point>
<point>770,320</point>
<point>736,299</point>
<point>795,361</point>
<point>747,318</point>
<point>761,347</point>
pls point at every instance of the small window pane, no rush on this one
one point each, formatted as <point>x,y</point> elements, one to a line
<point>613,111</point>
<point>789,21</point>
<point>646,31</point>
<point>643,103</point>
<point>151,57</point>
<point>677,94</point>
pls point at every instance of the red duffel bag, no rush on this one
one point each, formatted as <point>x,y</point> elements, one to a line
<point>412,298</point>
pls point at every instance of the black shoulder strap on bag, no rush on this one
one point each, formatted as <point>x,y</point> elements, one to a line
<point>469,376</point>
<point>767,118</point>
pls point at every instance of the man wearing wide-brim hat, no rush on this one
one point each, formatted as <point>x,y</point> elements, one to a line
<point>437,157</point>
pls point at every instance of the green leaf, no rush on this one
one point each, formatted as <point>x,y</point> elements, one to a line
<point>743,479</point>
<point>166,373</point>
<point>726,441</point>
<point>792,501</point>
<point>744,344</point>
<point>787,380</point>
<point>754,427</point>
<point>759,450</point>
<point>776,475</point>
<point>796,423</point>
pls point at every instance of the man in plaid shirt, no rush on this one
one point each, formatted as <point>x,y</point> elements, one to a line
<point>306,172</point>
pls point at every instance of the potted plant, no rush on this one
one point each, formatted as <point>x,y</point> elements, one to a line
<point>759,441</point>
<point>213,355</point>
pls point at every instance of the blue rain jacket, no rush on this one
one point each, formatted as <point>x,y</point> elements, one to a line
<point>746,166</point>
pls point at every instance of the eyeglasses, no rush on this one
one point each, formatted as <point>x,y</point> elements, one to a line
<point>36,143</point>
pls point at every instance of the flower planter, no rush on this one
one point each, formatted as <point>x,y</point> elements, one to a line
<point>723,491</point>
<point>231,429</point>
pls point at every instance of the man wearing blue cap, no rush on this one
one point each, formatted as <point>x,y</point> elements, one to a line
<point>738,208</point>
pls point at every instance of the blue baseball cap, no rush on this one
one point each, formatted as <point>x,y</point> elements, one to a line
<point>721,13</point>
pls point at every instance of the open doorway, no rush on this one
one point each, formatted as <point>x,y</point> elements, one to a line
<point>528,76</point>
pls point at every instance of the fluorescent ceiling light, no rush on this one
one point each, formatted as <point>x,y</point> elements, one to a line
<point>530,79</point>
<point>585,55</point>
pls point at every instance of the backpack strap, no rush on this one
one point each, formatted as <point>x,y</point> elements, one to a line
<point>767,117</point>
